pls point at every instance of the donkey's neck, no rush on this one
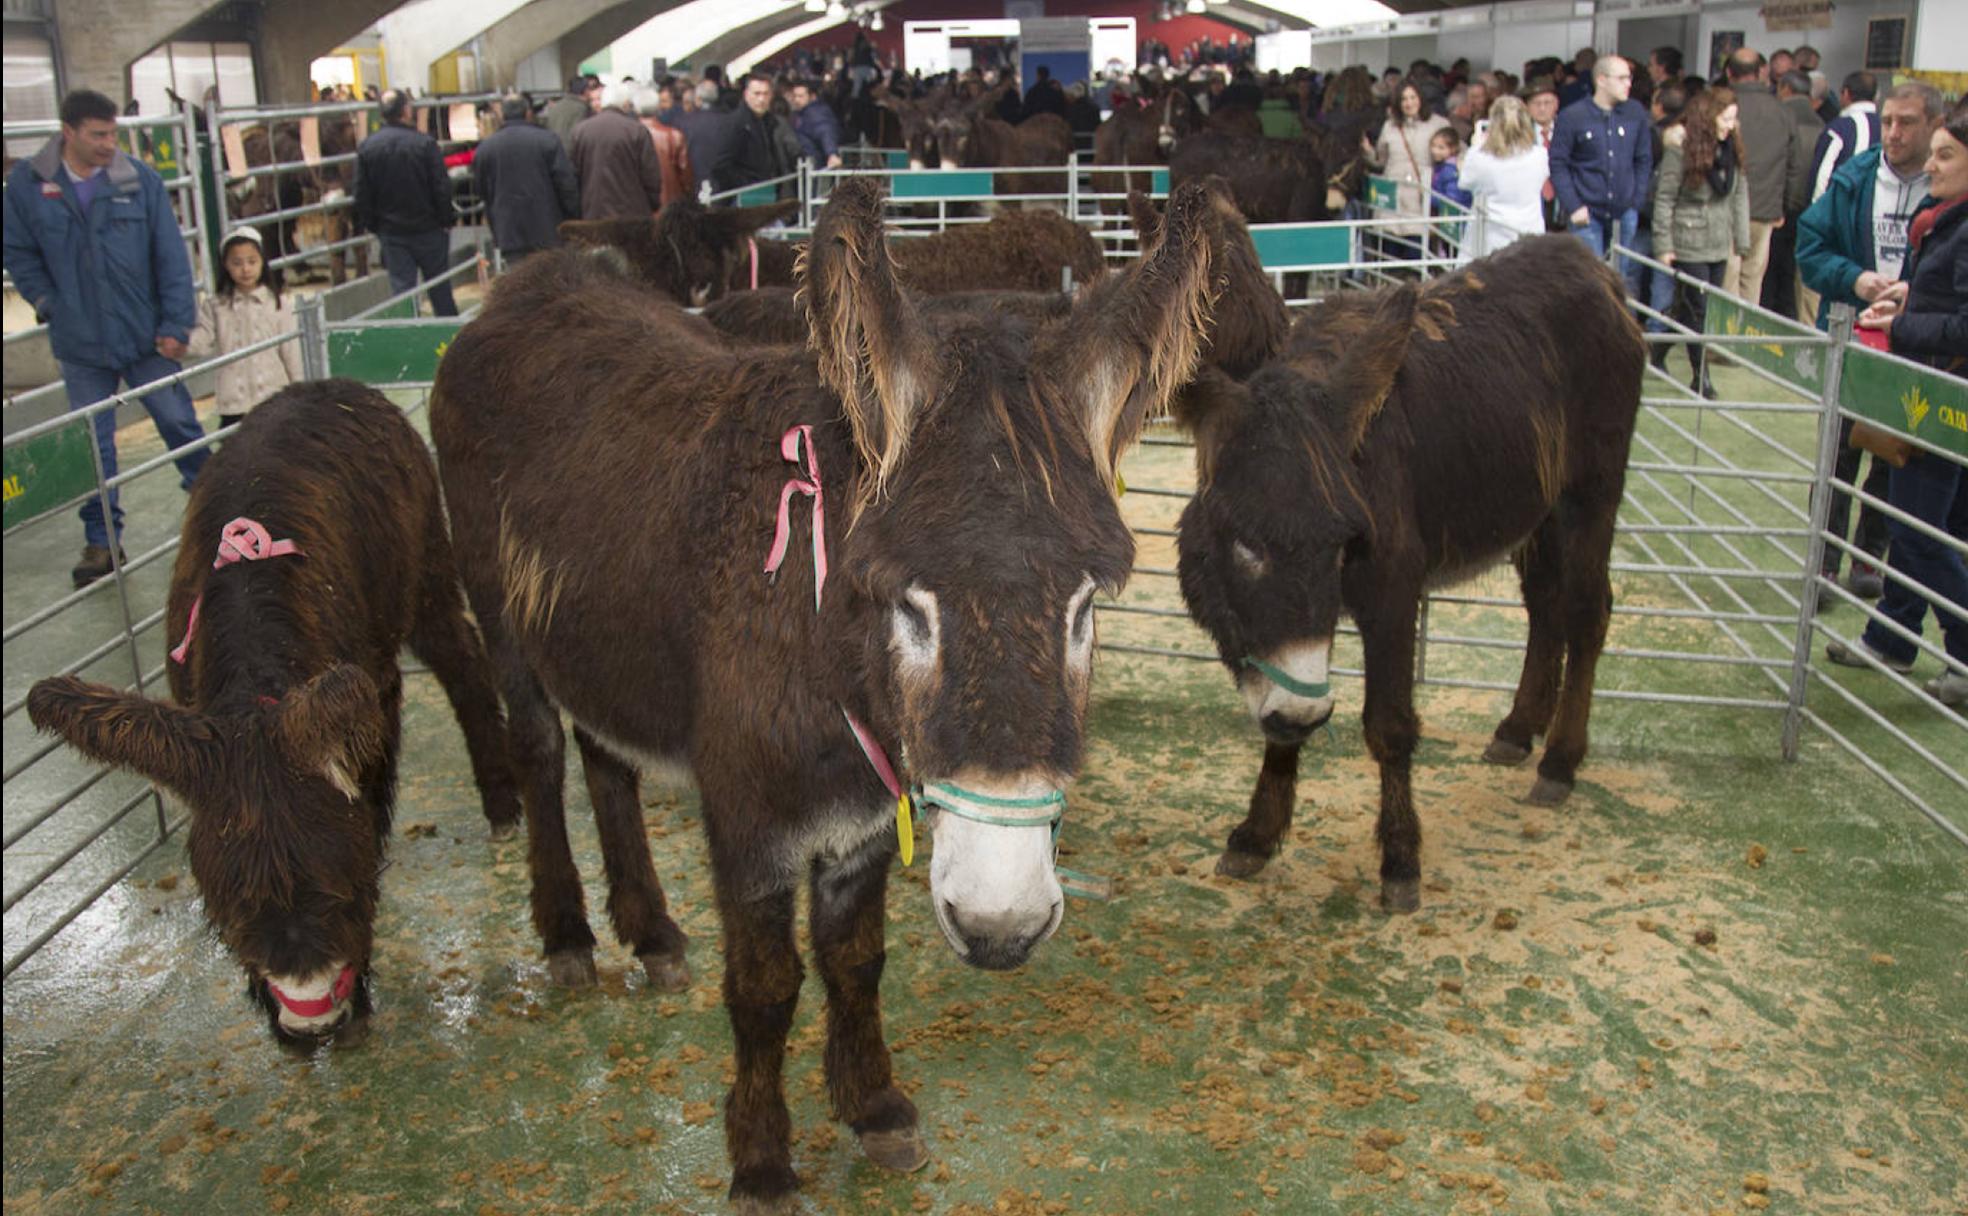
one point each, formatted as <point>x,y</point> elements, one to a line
<point>251,644</point>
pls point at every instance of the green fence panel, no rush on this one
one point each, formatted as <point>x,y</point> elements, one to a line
<point>1158,183</point>
<point>1928,405</point>
<point>897,158</point>
<point>398,352</point>
<point>1296,246</point>
<point>1382,194</point>
<point>1801,364</point>
<point>758,196</point>
<point>933,184</point>
<point>47,471</point>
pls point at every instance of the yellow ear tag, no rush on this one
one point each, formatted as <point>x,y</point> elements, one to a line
<point>905,829</point>
<point>1120,485</point>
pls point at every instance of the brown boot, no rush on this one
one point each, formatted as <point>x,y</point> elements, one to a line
<point>95,564</point>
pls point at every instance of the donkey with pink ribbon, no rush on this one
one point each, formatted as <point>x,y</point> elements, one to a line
<point>314,548</point>
<point>814,579</point>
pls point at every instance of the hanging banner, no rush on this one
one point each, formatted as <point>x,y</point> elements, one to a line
<point>234,139</point>
<point>464,122</point>
<point>311,139</point>
<point>1796,15</point>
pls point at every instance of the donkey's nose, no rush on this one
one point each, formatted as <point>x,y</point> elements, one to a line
<point>1290,732</point>
<point>1002,939</point>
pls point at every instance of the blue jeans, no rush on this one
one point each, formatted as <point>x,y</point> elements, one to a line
<point>1599,234</point>
<point>429,252</point>
<point>1654,288</point>
<point>1930,489</point>
<point>170,408</point>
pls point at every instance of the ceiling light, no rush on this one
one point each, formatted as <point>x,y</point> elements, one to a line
<point>1195,6</point>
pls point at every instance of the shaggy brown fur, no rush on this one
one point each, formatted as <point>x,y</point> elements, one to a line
<point>773,316</point>
<point>1141,132</point>
<point>283,735</point>
<point>1401,441</point>
<point>1016,251</point>
<point>1275,181</point>
<point>968,455</point>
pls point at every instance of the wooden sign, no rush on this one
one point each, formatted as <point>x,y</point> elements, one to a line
<point>1796,15</point>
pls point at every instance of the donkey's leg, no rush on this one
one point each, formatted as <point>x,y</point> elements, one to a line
<point>444,637</point>
<point>761,988</point>
<point>849,896</point>
<point>1541,574</point>
<point>1388,635</point>
<point>635,895</point>
<point>539,753</point>
<point>379,782</point>
<point>1255,841</point>
<point>1585,612</point>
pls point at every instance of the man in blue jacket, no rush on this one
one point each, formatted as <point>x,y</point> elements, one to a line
<point>1602,157</point>
<point>816,126</point>
<point>93,245</point>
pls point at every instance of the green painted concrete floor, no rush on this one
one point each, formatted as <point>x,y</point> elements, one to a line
<point>1713,982</point>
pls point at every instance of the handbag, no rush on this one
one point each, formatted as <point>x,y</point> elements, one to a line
<point>1883,444</point>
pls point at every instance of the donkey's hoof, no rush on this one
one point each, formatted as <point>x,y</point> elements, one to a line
<point>763,1205</point>
<point>766,1190</point>
<point>1235,863</point>
<point>1546,792</point>
<point>1399,895</point>
<point>572,968</point>
<point>506,830</point>
<point>1506,753</point>
<point>901,1150</point>
<point>667,973</point>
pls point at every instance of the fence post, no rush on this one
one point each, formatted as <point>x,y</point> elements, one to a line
<point>1807,606</point>
<point>191,165</point>
<point>310,314</point>
<point>1073,187</point>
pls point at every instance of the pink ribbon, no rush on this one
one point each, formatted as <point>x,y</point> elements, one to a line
<point>242,540</point>
<point>790,446</point>
<point>877,758</point>
<point>754,247</point>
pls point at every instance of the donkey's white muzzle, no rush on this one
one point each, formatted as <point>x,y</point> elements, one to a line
<point>992,884</point>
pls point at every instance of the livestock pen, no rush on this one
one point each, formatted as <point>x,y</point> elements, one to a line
<point>1717,979</point>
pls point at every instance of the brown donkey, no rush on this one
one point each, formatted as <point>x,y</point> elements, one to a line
<point>313,549</point>
<point>937,494</point>
<point>1402,441</point>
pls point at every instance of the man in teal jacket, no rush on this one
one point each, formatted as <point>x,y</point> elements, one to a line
<point>1850,246</point>
<point>93,245</point>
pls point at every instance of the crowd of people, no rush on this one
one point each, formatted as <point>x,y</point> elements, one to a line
<point>1761,183</point>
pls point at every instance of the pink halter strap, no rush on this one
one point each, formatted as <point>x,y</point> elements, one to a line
<point>754,247</point>
<point>877,758</point>
<point>791,444</point>
<point>242,540</point>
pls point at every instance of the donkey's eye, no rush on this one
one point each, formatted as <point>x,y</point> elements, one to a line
<point>1083,622</point>
<point>1249,562</point>
<point>915,620</point>
<point>915,627</point>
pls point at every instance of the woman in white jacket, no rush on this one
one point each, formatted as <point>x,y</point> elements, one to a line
<point>1506,168</point>
<point>248,307</point>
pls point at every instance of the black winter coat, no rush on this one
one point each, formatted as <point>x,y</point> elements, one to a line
<point>1933,327</point>
<point>401,185</point>
<point>528,186</point>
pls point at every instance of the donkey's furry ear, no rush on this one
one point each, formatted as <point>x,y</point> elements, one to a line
<point>1134,339</point>
<point>1364,376</point>
<point>1147,221</point>
<point>169,744</point>
<point>332,726</point>
<point>744,221</point>
<point>873,350</point>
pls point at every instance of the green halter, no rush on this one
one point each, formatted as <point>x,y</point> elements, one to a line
<point>1284,680</point>
<point>1049,808</point>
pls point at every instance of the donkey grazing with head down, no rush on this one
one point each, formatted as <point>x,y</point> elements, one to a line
<point>936,495</point>
<point>314,548</point>
<point>1402,441</point>
<point>693,253</point>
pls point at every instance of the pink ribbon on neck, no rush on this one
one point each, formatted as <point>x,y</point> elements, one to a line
<point>790,447</point>
<point>877,758</point>
<point>242,540</point>
<point>754,247</point>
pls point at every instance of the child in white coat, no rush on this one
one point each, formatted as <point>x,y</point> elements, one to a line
<point>248,307</point>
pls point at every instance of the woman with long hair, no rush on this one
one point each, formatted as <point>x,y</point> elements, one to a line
<point>1701,208</point>
<point>1401,153</point>
<point>1506,168</point>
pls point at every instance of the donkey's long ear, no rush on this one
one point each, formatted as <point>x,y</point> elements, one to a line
<point>1132,341</point>
<point>596,234</point>
<point>332,726</point>
<point>169,744</point>
<point>873,350</point>
<point>1364,376</point>
<point>1147,221</point>
<point>737,223</point>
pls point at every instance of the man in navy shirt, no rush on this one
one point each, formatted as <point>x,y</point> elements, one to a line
<point>1601,159</point>
<point>93,245</point>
